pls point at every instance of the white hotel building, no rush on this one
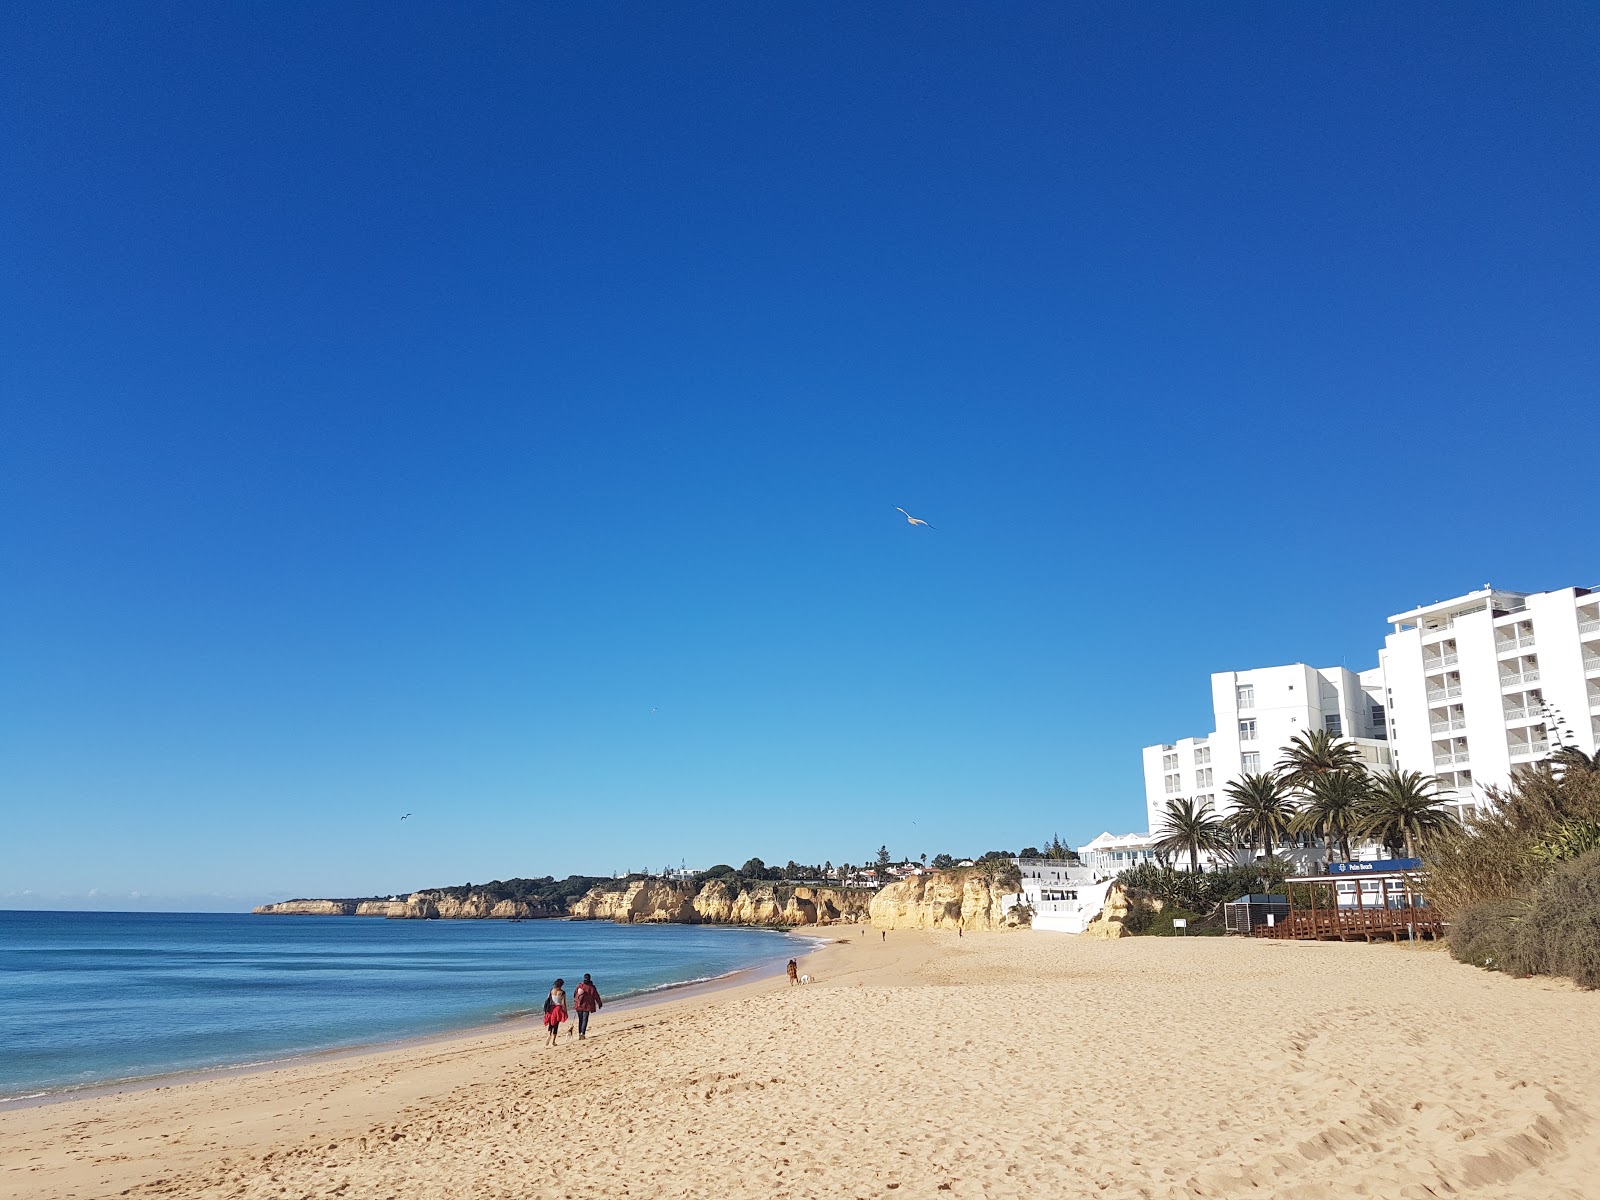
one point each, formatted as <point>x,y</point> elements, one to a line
<point>1474,685</point>
<point>1466,690</point>
<point>1257,713</point>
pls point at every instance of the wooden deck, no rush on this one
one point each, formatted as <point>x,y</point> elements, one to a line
<point>1354,924</point>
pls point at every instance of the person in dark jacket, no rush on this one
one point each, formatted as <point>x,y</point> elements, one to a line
<point>586,1000</point>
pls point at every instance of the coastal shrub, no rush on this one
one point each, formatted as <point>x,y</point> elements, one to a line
<point>1206,892</point>
<point>1508,849</point>
<point>1141,915</point>
<point>1196,924</point>
<point>1561,933</point>
<point>1485,934</point>
<point>1571,839</point>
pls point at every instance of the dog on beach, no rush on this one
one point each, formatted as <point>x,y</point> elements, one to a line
<point>805,979</point>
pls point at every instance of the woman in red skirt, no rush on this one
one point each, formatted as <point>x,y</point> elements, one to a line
<point>555,1010</point>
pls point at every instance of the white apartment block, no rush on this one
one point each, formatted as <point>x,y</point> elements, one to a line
<point>1474,684</point>
<point>1258,713</point>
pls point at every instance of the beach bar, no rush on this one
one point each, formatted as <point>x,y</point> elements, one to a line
<point>1356,901</point>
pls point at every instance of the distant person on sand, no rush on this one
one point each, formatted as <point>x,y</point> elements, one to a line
<point>586,999</point>
<point>883,935</point>
<point>555,1009</point>
<point>794,972</point>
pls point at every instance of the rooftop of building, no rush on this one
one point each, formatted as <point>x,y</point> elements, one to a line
<point>1500,600</point>
<point>1120,841</point>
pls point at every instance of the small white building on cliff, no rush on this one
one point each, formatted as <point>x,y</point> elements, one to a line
<point>1064,895</point>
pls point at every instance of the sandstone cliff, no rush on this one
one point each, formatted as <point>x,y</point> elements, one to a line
<point>718,903</point>
<point>310,908</point>
<point>967,899</point>
<point>474,906</point>
<point>780,904</point>
<point>1112,919</point>
<point>644,900</point>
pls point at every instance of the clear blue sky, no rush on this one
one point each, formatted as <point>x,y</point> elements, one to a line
<point>402,401</point>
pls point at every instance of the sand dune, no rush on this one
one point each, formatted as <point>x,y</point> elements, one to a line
<point>1008,1064</point>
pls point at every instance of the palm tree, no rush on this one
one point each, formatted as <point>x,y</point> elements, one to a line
<point>1335,801</point>
<point>1403,810</point>
<point>1315,753</point>
<point>1262,810</point>
<point>1191,829</point>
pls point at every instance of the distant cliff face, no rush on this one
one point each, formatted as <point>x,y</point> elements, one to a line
<point>417,906</point>
<point>310,908</point>
<point>717,903</point>
<point>474,906</point>
<point>947,900</point>
<point>645,900</point>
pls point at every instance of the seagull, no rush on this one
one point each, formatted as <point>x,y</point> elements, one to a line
<point>407,815</point>
<point>652,710</point>
<point>910,520</point>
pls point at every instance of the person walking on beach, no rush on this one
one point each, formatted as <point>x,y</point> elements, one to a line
<point>794,972</point>
<point>586,999</point>
<point>555,1010</point>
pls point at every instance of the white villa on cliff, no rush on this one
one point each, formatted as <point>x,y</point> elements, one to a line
<point>1065,896</point>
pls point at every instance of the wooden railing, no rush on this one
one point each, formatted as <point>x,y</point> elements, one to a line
<point>1354,923</point>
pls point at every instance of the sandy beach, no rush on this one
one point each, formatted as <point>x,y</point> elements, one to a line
<point>1006,1064</point>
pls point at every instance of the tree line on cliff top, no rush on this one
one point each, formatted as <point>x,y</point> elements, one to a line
<point>548,891</point>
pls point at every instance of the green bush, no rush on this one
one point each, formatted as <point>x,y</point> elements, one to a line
<point>1485,934</point>
<point>1206,892</point>
<point>1561,932</point>
<point>1160,924</point>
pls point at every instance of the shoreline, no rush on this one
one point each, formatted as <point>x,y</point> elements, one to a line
<point>1002,1064</point>
<point>627,1002</point>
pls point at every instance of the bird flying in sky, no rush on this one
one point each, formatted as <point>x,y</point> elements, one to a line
<point>910,520</point>
<point>407,815</point>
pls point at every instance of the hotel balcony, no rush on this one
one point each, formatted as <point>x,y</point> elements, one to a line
<point>1591,664</point>
<point>1588,626</point>
<point>1513,644</point>
<point>1522,751</point>
<point>1531,710</point>
<point>1438,662</point>
<point>1447,725</point>
<point>1526,676</point>
<point>1450,758</point>
<point>1440,695</point>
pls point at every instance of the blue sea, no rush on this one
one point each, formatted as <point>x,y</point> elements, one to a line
<point>94,998</point>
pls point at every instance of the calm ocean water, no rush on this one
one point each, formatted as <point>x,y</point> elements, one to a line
<point>90,998</point>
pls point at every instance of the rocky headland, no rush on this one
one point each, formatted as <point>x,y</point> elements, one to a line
<point>967,898</point>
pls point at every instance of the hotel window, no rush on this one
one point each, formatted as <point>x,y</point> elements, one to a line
<point>1334,724</point>
<point>1202,777</point>
<point>1173,783</point>
<point>1169,762</point>
<point>1202,755</point>
<point>1246,694</point>
<point>1250,762</point>
<point>1247,730</point>
<point>1379,716</point>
